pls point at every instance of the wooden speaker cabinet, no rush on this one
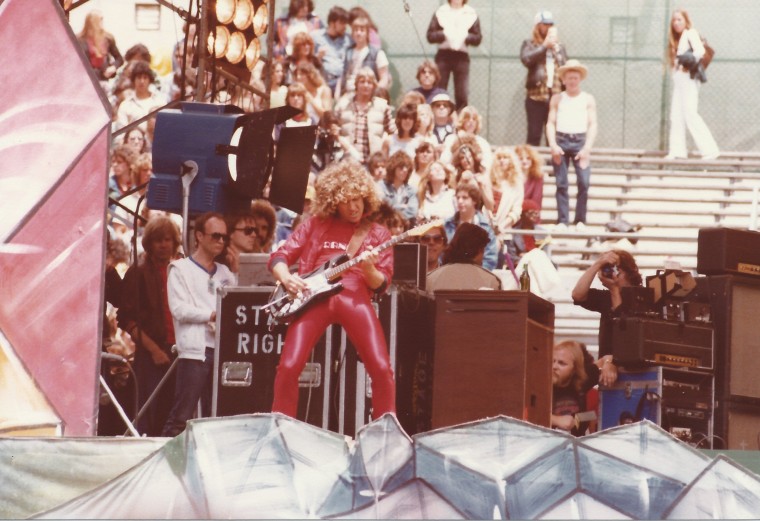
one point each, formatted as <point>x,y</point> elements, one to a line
<point>740,426</point>
<point>493,355</point>
<point>735,304</point>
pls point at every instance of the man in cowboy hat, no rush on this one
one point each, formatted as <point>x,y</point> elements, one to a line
<point>542,54</point>
<point>570,131</point>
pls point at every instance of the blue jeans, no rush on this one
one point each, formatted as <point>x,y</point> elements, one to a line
<point>194,381</point>
<point>571,144</point>
<point>537,112</point>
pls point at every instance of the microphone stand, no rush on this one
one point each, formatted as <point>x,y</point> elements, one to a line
<point>188,173</point>
<point>408,11</point>
<point>155,392</point>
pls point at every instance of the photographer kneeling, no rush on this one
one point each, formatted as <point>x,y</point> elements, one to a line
<point>616,269</point>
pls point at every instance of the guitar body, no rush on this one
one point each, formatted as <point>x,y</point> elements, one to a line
<point>284,307</point>
<point>322,282</point>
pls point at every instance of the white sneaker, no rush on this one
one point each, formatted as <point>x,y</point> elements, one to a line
<point>580,227</point>
<point>560,227</point>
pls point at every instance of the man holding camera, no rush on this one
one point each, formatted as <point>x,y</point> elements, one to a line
<point>616,269</point>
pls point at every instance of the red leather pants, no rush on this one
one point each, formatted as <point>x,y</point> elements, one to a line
<point>352,309</point>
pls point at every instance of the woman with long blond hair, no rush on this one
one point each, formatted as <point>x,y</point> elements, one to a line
<point>685,50</point>
<point>99,46</point>
<point>532,167</point>
<point>319,97</point>
<point>507,186</point>
<point>436,197</point>
<point>426,124</point>
<point>469,123</point>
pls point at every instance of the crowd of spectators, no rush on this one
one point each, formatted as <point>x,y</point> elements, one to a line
<point>425,152</point>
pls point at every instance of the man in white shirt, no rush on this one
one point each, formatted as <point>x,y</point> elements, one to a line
<point>192,286</point>
<point>142,101</point>
<point>570,131</point>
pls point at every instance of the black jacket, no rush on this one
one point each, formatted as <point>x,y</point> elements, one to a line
<point>533,56</point>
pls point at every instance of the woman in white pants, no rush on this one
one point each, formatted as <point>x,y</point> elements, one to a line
<point>683,107</point>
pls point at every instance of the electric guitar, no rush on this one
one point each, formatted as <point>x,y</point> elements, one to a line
<point>324,281</point>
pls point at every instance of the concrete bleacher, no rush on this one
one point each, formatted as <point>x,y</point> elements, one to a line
<point>670,199</point>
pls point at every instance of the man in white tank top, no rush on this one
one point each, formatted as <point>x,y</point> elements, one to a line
<point>570,131</point>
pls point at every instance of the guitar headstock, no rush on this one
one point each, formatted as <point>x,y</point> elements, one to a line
<point>423,228</point>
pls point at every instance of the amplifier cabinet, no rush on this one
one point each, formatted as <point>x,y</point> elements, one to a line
<point>735,304</point>
<point>638,341</point>
<point>728,250</point>
<point>680,401</point>
<point>738,427</point>
<point>410,264</point>
<point>246,358</point>
<point>493,355</point>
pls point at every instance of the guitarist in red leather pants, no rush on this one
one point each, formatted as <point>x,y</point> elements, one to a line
<point>345,196</point>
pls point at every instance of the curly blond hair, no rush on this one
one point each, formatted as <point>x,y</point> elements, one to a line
<point>512,174</point>
<point>339,183</point>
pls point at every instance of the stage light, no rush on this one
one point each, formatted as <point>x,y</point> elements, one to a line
<point>243,14</point>
<point>252,54</point>
<point>234,153</point>
<point>236,48</point>
<point>225,11</point>
<point>261,20</point>
<point>237,26</point>
<point>218,41</point>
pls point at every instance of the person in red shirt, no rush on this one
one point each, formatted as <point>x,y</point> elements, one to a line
<point>345,197</point>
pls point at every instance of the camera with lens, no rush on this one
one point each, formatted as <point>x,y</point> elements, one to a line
<point>610,271</point>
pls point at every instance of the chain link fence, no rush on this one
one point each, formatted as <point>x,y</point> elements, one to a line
<point>622,42</point>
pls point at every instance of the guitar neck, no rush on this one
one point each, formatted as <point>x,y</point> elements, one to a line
<point>340,268</point>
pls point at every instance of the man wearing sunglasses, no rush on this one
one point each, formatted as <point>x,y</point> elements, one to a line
<point>192,286</point>
<point>243,238</point>
<point>435,240</point>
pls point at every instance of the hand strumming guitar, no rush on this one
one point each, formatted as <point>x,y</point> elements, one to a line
<point>292,283</point>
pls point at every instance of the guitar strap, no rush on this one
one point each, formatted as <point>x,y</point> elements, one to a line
<point>357,238</point>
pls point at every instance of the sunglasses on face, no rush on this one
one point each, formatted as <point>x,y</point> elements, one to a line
<point>248,230</point>
<point>431,239</point>
<point>216,236</point>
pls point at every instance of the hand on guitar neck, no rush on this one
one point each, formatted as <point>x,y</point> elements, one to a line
<point>294,293</point>
<point>372,275</point>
